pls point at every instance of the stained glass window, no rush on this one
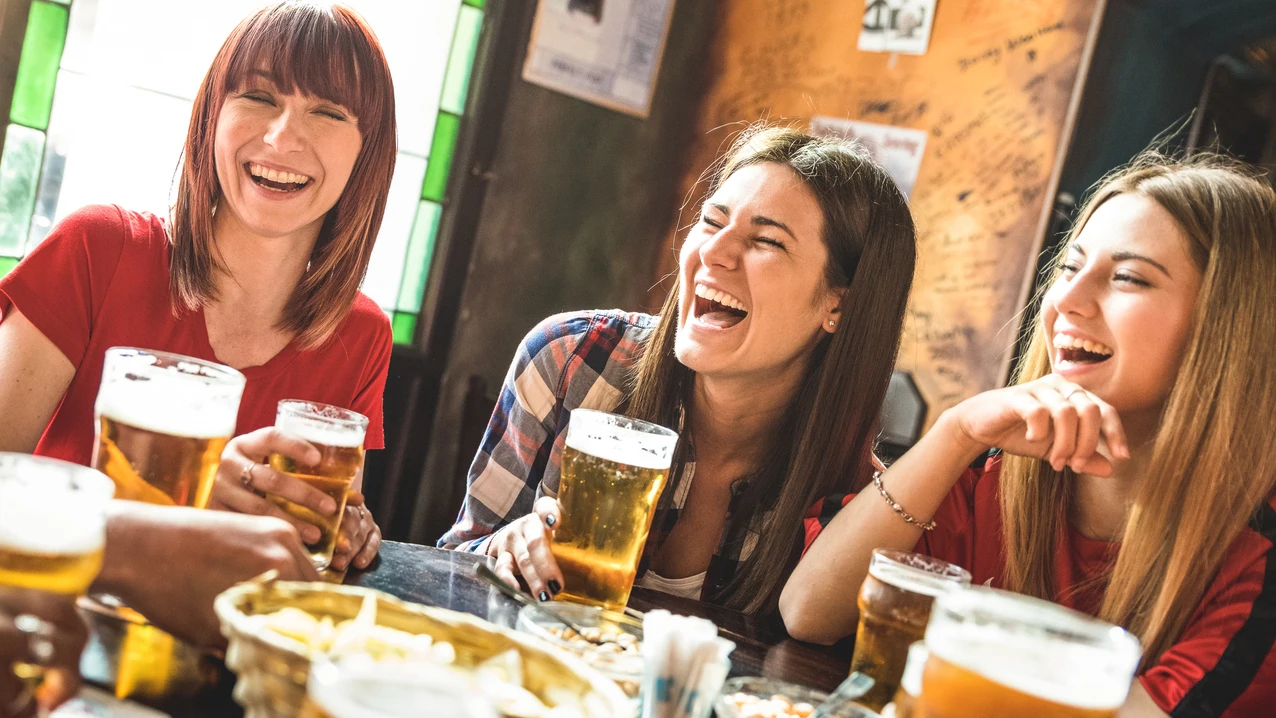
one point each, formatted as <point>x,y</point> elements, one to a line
<point>96,117</point>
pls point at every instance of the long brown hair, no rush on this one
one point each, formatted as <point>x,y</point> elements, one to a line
<point>1211,465</point>
<point>322,49</point>
<point>824,442</point>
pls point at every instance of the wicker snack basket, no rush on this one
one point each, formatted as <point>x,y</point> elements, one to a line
<point>272,669</point>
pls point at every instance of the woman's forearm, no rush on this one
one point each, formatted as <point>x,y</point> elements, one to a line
<point>818,601</point>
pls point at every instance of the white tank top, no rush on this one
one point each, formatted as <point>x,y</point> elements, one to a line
<point>688,587</point>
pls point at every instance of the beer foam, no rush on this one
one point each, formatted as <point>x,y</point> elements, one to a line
<point>49,520</point>
<point>911,579</point>
<point>624,446</point>
<point>166,408</point>
<point>318,432</point>
<point>1063,673</point>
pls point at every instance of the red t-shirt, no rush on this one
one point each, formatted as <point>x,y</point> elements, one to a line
<point>100,279</point>
<point>1222,665</point>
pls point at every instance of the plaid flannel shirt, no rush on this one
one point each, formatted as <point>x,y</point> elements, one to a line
<point>569,361</point>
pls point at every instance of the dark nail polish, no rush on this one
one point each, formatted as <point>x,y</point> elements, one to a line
<point>550,521</point>
<point>554,587</point>
<point>543,597</point>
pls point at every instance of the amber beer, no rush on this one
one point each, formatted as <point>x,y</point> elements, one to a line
<point>338,435</point>
<point>994,653</point>
<point>162,422</point>
<point>357,687</point>
<point>52,524</point>
<point>613,471</point>
<point>894,604</point>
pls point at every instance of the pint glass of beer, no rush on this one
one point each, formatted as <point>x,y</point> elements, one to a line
<point>356,687</point>
<point>52,523</point>
<point>338,435</point>
<point>894,604</point>
<point>994,653</point>
<point>162,422</point>
<point>613,471</point>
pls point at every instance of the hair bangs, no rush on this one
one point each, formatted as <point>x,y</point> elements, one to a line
<point>293,45</point>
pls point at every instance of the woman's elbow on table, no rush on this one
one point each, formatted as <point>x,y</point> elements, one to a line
<point>807,617</point>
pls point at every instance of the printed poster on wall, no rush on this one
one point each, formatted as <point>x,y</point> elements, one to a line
<point>898,149</point>
<point>897,26</point>
<point>603,51</point>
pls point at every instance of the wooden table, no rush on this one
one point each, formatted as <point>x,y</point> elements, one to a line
<point>435,577</point>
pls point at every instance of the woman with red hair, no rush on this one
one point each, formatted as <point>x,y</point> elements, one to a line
<point>283,184</point>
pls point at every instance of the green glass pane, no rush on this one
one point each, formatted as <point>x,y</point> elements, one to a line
<point>7,264</point>
<point>440,164</point>
<point>475,3</point>
<point>416,263</point>
<point>404,327</point>
<point>19,177</point>
<point>38,67</point>
<point>464,44</point>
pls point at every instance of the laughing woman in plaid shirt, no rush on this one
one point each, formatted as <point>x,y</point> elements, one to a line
<point>771,357</point>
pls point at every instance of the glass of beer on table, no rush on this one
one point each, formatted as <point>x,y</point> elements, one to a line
<point>162,422</point>
<point>613,471</point>
<point>894,603</point>
<point>357,687</point>
<point>338,435</point>
<point>994,653</point>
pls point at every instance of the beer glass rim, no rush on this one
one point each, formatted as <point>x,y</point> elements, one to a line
<point>625,422</point>
<point>210,370</point>
<point>1028,616</point>
<point>948,576</point>
<point>85,481</point>
<point>319,411</point>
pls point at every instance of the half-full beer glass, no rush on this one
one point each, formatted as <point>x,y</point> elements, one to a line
<point>162,422</point>
<point>613,471</point>
<point>894,604</point>
<point>52,523</point>
<point>338,435</point>
<point>994,653</point>
<point>359,688</point>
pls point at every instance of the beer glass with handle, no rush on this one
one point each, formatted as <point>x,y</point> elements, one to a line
<point>613,471</point>
<point>357,687</point>
<point>894,602</point>
<point>338,435</point>
<point>52,529</point>
<point>995,653</point>
<point>162,422</point>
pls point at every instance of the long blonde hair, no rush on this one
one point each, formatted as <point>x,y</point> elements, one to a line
<point>1212,464</point>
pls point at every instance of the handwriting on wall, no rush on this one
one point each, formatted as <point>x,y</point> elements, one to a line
<point>993,94</point>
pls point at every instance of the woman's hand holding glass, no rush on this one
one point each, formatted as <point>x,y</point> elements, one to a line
<point>522,549</point>
<point>1050,418</point>
<point>245,477</point>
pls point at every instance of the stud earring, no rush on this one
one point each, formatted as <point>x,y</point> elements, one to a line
<point>832,323</point>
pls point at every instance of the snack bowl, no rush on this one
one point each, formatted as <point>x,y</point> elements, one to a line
<point>802,698</point>
<point>273,668</point>
<point>624,666</point>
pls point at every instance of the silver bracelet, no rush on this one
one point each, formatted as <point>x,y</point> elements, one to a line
<point>908,518</point>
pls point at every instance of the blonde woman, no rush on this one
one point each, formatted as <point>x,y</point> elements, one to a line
<point>1137,471</point>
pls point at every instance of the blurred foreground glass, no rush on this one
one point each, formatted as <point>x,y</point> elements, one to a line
<point>910,685</point>
<point>52,523</point>
<point>613,471</point>
<point>162,422</point>
<point>338,435</point>
<point>894,604</point>
<point>994,653</point>
<point>360,688</point>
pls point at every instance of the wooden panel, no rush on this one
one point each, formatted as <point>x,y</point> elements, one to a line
<point>994,93</point>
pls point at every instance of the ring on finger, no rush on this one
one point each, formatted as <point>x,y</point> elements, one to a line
<point>1075,389</point>
<point>363,512</point>
<point>246,477</point>
<point>39,635</point>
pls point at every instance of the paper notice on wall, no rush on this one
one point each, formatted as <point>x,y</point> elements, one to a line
<point>897,26</point>
<point>898,149</point>
<point>602,51</point>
